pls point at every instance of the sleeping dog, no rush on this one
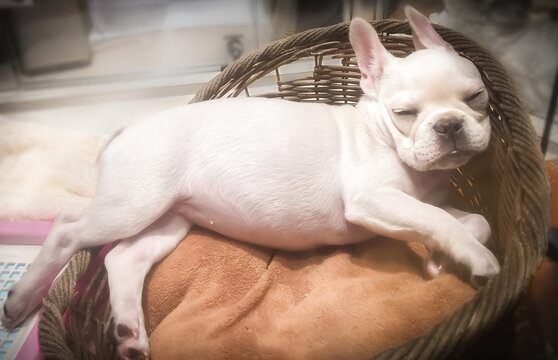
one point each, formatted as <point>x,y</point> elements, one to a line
<point>285,175</point>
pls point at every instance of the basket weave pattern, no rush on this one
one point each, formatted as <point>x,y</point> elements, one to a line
<point>508,184</point>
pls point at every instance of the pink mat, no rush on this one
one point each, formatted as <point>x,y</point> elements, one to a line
<point>26,233</point>
<point>30,349</point>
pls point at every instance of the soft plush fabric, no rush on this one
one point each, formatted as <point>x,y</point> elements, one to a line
<point>215,298</point>
<point>44,170</point>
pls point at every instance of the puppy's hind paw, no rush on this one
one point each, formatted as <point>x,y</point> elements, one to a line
<point>9,316</point>
<point>5,317</point>
<point>131,352</point>
<point>129,341</point>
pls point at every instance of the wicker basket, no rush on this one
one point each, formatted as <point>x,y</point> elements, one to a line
<point>508,184</point>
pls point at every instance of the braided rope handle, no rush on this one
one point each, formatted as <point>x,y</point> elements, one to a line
<point>51,328</point>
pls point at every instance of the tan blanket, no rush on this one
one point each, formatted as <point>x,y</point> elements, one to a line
<point>214,298</point>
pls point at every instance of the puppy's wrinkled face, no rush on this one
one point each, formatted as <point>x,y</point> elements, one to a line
<point>437,102</point>
<point>434,100</point>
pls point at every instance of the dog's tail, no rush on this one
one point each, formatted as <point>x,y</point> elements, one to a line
<point>107,143</point>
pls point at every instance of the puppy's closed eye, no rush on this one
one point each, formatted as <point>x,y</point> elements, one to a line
<point>405,112</point>
<point>474,96</point>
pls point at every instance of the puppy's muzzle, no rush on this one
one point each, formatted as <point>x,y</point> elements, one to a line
<point>448,127</point>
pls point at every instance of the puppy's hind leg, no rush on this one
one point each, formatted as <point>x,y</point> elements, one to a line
<point>127,265</point>
<point>112,215</point>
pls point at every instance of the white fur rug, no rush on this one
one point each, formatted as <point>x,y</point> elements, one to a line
<point>45,169</point>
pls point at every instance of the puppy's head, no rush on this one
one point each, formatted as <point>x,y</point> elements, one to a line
<point>435,101</point>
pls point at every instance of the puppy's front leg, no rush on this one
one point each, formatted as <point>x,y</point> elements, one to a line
<point>477,226</point>
<point>393,213</point>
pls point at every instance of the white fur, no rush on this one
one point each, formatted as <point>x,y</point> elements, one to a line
<point>282,174</point>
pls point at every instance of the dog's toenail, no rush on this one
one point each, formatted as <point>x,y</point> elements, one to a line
<point>10,292</point>
<point>123,330</point>
<point>480,280</point>
<point>110,332</point>
<point>135,354</point>
<point>5,310</point>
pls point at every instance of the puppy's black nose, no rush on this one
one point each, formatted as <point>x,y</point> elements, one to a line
<point>448,127</point>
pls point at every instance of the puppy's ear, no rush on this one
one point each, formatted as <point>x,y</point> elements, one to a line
<point>371,55</point>
<point>424,35</point>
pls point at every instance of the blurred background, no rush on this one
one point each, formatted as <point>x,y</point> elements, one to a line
<point>69,53</point>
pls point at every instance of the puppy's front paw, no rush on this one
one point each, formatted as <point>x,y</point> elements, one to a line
<point>480,261</point>
<point>478,227</point>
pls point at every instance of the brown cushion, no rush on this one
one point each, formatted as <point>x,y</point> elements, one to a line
<point>214,298</point>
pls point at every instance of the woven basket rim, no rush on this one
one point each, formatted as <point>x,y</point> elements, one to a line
<point>525,145</point>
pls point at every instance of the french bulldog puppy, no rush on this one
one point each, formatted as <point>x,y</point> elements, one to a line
<point>285,175</point>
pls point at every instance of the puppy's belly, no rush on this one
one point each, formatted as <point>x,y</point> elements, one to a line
<point>280,229</point>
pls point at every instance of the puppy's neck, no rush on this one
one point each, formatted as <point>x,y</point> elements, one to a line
<point>376,117</point>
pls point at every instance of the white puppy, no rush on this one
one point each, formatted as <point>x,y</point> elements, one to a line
<point>285,175</point>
